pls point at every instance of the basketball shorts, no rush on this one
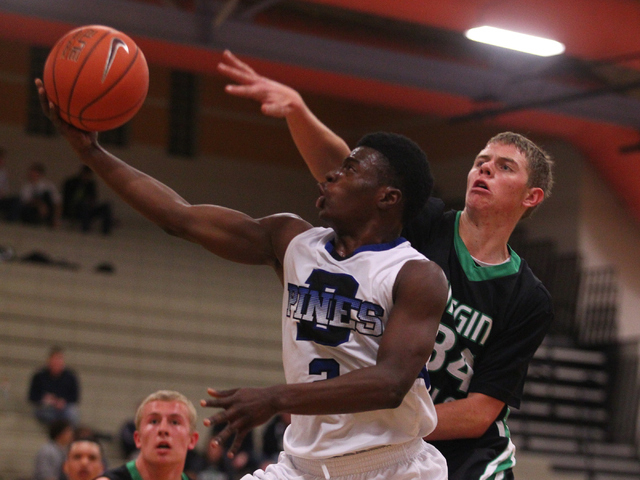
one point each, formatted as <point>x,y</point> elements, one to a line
<point>415,460</point>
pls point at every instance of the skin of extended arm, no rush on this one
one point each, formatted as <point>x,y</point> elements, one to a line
<point>420,298</point>
<point>228,233</point>
<point>465,418</point>
<point>321,149</point>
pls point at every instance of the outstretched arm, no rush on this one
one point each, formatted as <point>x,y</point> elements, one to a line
<point>420,298</point>
<point>321,148</point>
<point>225,232</point>
<point>465,418</point>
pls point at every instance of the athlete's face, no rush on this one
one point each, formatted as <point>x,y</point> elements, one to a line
<point>84,461</point>
<point>165,435</point>
<point>349,192</point>
<point>498,181</point>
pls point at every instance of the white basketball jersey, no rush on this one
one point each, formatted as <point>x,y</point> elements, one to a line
<point>334,314</point>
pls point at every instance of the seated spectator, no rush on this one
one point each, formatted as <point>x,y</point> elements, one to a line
<point>213,464</point>
<point>80,201</point>
<point>244,461</point>
<point>54,390</point>
<point>51,456</point>
<point>8,202</point>
<point>85,459</point>
<point>39,201</point>
<point>272,438</point>
<point>126,440</point>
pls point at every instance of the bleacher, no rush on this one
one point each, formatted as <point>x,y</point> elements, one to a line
<point>170,315</point>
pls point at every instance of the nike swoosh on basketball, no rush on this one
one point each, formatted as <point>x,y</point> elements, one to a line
<point>116,44</point>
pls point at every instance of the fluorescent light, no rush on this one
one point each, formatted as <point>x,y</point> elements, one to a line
<point>515,41</point>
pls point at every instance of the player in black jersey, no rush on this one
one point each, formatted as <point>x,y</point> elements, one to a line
<point>165,431</point>
<point>498,312</point>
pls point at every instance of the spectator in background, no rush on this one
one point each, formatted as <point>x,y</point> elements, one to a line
<point>8,202</point>
<point>84,460</point>
<point>80,201</point>
<point>212,464</point>
<point>51,456</point>
<point>272,438</point>
<point>126,441</point>
<point>55,391</point>
<point>40,200</point>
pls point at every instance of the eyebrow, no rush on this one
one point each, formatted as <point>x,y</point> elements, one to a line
<point>505,159</point>
<point>171,415</point>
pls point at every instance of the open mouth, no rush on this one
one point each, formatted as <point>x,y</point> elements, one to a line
<point>480,184</point>
<point>163,445</point>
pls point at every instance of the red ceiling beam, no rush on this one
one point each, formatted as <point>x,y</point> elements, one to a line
<point>590,29</point>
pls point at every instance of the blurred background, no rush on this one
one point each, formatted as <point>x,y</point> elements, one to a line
<point>137,310</point>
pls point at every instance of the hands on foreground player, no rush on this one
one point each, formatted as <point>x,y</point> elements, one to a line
<point>244,409</point>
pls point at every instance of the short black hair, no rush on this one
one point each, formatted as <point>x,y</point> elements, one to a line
<point>55,349</point>
<point>91,439</point>
<point>410,170</point>
<point>57,427</point>
<point>38,167</point>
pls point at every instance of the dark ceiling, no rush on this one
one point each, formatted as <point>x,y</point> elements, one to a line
<point>405,54</point>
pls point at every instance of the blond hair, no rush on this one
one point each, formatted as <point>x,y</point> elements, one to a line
<point>168,396</point>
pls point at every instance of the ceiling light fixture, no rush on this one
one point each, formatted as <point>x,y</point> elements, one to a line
<point>521,42</point>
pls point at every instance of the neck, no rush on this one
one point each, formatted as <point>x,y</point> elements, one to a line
<point>485,237</point>
<point>347,243</point>
<point>150,471</point>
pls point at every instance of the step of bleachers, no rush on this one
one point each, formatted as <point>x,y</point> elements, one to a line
<point>566,414</point>
<point>171,315</point>
<point>603,467</point>
<point>23,436</point>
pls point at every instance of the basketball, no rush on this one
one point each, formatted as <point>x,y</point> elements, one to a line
<point>97,77</point>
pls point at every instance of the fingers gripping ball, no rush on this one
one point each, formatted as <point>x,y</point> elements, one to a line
<point>97,77</point>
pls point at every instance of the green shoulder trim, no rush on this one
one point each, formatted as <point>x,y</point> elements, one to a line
<point>133,470</point>
<point>473,271</point>
<point>135,474</point>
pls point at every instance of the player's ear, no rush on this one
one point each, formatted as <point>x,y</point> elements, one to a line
<point>389,197</point>
<point>193,441</point>
<point>136,439</point>
<point>534,197</point>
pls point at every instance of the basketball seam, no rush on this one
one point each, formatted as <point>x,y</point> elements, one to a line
<point>142,98</point>
<point>113,85</point>
<point>53,74</point>
<point>84,62</point>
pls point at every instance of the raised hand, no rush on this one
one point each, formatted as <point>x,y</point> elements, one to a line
<point>277,100</point>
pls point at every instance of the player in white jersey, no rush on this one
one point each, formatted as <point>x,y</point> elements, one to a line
<point>365,333</point>
<point>335,311</point>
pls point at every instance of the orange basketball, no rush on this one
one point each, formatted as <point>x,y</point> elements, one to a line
<point>97,77</point>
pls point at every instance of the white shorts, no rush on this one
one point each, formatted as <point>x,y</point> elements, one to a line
<point>415,460</point>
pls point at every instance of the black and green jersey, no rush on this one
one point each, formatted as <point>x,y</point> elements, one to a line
<point>495,320</point>
<point>129,471</point>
